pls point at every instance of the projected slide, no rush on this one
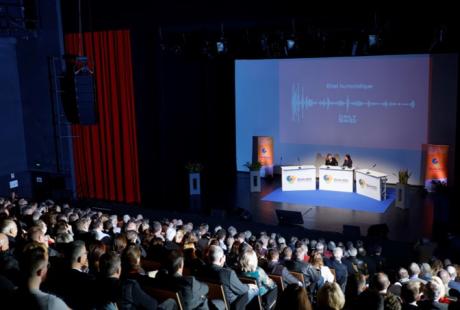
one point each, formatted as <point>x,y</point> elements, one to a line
<point>379,109</point>
<point>372,102</point>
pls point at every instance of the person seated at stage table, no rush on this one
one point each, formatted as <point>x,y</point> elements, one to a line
<point>347,162</point>
<point>330,160</point>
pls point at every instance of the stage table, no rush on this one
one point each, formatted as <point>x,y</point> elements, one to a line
<point>298,178</point>
<point>334,178</point>
<point>371,183</point>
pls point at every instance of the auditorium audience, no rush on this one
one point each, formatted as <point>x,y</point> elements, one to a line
<point>59,257</point>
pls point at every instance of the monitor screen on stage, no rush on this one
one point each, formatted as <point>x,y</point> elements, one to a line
<point>376,108</point>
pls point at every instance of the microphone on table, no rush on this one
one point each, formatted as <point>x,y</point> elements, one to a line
<point>368,172</point>
<point>298,161</point>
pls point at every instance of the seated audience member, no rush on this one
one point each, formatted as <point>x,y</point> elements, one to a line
<point>403,277</point>
<point>119,243</point>
<point>191,259</point>
<point>432,293</point>
<point>425,272</point>
<point>9,266</point>
<point>267,288</point>
<point>286,255</point>
<point>82,229</point>
<point>35,266</point>
<point>131,263</point>
<point>10,229</point>
<point>36,234</point>
<point>316,261</point>
<point>414,272</point>
<point>330,297</point>
<point>95,250</point>
<point>453,284</point>
<point>356,284</point>
<point>369,299</point>
<point>233,255</point>
<point>126,294</point>
<point>312,276</point>
<point>74,281</point>
<point>237,294</point>
<point>274,267</point>
<point>341,271</point>
<point>379,282</point>
<point>194,293</point>
<point>98,231</point>
<point>293,297</point>
<point>410,295</point>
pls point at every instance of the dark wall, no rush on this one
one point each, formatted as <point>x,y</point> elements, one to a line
<point>13,157</point>
<point>32,149</point>
<point>185,112</point>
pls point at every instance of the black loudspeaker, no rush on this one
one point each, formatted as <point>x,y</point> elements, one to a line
<point>351,232</point>
<point>79,98</point>
<point>219,213</point>
<point>289,217</point>
<point>243,214</point>
<point>379,231</point>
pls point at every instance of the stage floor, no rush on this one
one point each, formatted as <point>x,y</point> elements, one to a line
<point>404,225</point>
<point>333,199</point>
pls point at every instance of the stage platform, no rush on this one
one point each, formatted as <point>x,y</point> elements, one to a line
<point>332,199</point>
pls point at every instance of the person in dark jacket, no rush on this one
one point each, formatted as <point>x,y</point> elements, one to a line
<point>341,270</point>
<point>312,276</point>
<point>237,294</point>
<point>330,160</point>
<point>126,294</point>
<point>347,162</point>
<point>274,267</point>
<point>193,292</point>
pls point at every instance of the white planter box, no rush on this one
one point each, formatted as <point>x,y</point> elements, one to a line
<point>254,181</point>
<point>194,184</point>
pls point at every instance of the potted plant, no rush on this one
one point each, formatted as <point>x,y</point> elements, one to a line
<point>403,176</point>
<point>194,169</point>
<point>254,175</point>
<point>401,188</point>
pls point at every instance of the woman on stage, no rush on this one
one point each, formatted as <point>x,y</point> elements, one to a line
<point>347,162</point>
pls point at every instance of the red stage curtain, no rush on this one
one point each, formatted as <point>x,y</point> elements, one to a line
<point>105,154</point>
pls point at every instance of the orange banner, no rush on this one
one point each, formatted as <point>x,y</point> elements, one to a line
<point>436,164</point>
<point>265,154</point>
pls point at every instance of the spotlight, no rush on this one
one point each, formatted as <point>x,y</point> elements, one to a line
<point>290,44</point>
<point>221,46</point>
<point>372,38</point>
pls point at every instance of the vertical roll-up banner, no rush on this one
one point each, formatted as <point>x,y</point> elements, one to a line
<point>263,152</point>
<point>436,164</point>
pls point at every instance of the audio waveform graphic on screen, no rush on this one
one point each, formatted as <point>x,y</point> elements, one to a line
<point>301,102</point>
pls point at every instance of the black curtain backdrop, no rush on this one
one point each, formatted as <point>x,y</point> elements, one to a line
<point>185,110</point>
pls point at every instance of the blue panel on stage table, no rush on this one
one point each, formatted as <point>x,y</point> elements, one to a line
<point>331,199</point>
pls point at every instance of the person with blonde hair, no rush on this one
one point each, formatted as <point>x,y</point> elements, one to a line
<point>249,268</point>
<point>330,297</point>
